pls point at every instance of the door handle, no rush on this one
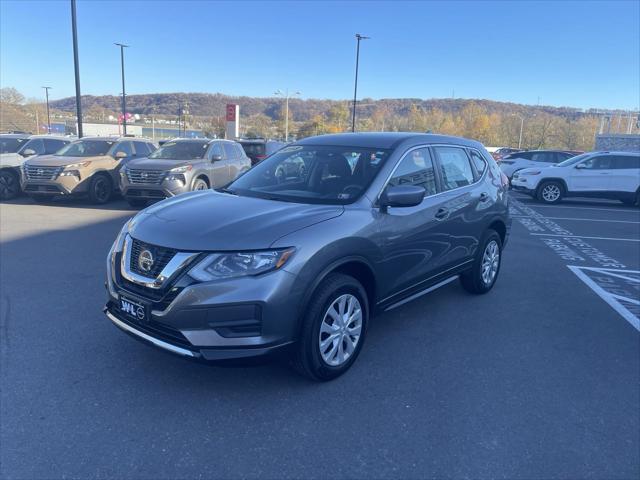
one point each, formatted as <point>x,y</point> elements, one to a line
<point>442,213</point>
<point>484,196</point>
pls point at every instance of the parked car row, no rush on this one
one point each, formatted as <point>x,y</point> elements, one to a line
<point>44,167</point>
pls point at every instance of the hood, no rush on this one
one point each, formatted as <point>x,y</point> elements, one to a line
<point>56,161</point>
<point>210,221</point>
<point>11,159</point>
<point>157,164</point>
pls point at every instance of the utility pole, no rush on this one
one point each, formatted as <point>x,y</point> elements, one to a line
<point>46,92</point>
<point>76,66</point>
<point>355,89</point>
<point>286,114</point>
<point>124,94</point>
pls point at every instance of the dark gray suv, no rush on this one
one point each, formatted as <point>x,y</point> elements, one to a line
<point>303,260</point>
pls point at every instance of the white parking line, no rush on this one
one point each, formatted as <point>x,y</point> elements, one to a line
<point>583,236</point>
<point>592,220</point>
<point>613,299</point>
<point>626,210</point>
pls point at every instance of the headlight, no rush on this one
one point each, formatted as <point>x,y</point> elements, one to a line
<point>77,165</point>
<point>119,243</point>
<point>239,264</point>
<point>182,169</point>
<point>70,173</point>
<point>534,172</point>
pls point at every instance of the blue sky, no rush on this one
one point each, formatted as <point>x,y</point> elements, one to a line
<point>581,54</point>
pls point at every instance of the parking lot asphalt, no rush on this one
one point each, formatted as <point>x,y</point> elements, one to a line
<point>537,379</point>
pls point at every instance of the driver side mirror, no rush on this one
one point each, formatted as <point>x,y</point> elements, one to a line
<point>120,155</point>
<point>216,158</point>
<point>402,196</point>
<point>581,166</point>
<point>29,152</point>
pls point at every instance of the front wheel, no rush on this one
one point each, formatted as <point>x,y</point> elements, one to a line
<point>200,184</point>
<point>550,192</point>
<point>486,266</point>
<point>9,184</point>
<point>100,189</point>
<point>333,329</point>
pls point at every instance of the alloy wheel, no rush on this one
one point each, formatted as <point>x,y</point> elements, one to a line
<point>340,330</point>
<point>551,193</point>
<point>490,262</point>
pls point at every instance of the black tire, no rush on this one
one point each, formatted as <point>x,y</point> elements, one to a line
<point>199,184</point>
<point>550,192</point>
<point>41,198</point>
<point>100,188</point>
<point>472,280</point>
<point>632,202</point>
<point>9,184</point>
<point>136,202</point>
<point>308,358</point>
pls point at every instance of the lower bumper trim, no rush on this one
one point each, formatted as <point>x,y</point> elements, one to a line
<point>158,343</point>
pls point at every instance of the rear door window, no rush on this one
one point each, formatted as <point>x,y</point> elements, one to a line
<point>455,167</point>
<point>416,168</point>
<point>478,162</point>
<point>626,162</point>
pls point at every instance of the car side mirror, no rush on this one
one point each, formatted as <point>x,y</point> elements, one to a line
<point>581,166</point>
<point>121,155</point>
<point>216,158</point>
<point>402,196</point>
<point>29,152</point>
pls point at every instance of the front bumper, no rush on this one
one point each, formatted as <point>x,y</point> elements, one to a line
<point>62,185</point>
<point>152,191</point>
<point>223,320</point>
<point>524,184</point>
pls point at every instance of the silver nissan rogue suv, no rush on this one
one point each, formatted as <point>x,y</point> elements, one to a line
<point>302,260</point>
<point>180,166</point>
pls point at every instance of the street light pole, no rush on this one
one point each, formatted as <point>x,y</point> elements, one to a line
<point>521,128</point>
<point>76,66</point>
<point>124,94</point>
<point>355,88</point>
<point>46,93</point>
<point>286,115</point>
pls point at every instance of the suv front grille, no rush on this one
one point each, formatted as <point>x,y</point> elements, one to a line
<point>160,255</point>
<point>147,177</point>
<point>33,172</point>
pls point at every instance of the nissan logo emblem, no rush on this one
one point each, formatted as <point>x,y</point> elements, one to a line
<point>145,260</point>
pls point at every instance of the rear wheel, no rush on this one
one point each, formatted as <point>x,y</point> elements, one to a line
<point>635,201</point>
<point>9,184</point>
<point>100,188</point>
<point>550,192</point>
<point>486,266</point>
<point>333,329</point>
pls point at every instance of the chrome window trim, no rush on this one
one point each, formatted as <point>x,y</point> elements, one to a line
<point>175,265</point>
<point>395,167</point>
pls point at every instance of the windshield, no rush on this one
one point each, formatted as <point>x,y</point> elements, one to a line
<point>573,160</point>
<point>85,148</point>
<point>181,151</point>
<point>11,145</point>
<point>312,174</point>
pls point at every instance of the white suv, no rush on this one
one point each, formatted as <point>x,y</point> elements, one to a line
<point>514,162</point>
<point>614,175</point>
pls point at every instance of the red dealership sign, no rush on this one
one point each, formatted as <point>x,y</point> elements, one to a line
<point>231,112</point>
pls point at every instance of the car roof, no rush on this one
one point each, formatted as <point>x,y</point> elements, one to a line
<point>15,135</point>
<point>386,140</point>
<point>55,137</point>
<point>116,139</point>
<point>610,152</point>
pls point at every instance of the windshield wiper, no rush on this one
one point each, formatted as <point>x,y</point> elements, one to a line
<point>226,190</point>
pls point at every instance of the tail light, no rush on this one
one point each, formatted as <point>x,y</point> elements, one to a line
<point>504,179</point>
